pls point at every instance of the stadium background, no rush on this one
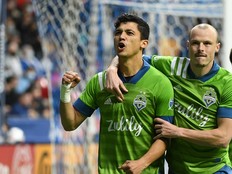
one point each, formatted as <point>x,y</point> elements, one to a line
<point>41,39</point>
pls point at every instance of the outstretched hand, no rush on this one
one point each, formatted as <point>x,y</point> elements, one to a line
<point>71,77</point>
<point>165,129</point>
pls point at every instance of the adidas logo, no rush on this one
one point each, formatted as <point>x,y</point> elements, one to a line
<point>108,102</point>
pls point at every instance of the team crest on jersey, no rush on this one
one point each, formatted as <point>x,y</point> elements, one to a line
<point>209,97</point>
<point>140,102</point>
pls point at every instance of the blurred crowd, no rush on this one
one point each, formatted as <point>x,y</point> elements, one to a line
<point>30,92</point>
<point>26,92</point>
<point>26,86</point>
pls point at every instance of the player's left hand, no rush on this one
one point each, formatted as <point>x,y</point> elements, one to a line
<point>133,166</point>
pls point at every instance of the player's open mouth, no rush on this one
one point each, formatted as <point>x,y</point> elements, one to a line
<point>121,45</point>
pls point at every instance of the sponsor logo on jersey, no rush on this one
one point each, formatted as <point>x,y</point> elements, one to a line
<point>140,101</point>
<point>193,113</point>
<point>209,97</point>
<point>125,124</point>
<point>108,102</point>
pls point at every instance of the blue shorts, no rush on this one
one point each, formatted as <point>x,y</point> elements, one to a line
<point>224,170</point>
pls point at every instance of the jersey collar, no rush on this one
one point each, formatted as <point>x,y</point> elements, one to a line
<point>134,79</point>
<point>207,76</point>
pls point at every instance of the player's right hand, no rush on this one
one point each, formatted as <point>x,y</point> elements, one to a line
<point>71,77</point>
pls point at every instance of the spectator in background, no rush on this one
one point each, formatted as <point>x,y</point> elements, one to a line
<point>28,29</point>
<point>27,99</point>
<point>13,63</point>
<point>28,57</point>
<point>13,12</point>
<point>32,69</point>
<point>11,96</point>
<point>23,108</point>
<point>40,101</point>
<point>11,31</point>
<point>27,79</point>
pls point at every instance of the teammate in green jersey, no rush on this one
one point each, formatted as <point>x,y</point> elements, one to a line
<point>126,141</point>
<point>203,106</point>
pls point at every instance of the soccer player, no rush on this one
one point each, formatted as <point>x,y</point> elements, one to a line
<point>126,141</point>
<point>202,107</point>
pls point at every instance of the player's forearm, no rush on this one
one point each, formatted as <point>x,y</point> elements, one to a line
<point>70,118</point>
<point>157,149</point>
<point>115,62</point>
<point>214,138</point>
<point>113,65</point>
<point>67,114</point>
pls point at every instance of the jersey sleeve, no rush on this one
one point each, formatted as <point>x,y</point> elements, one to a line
<point>165,100</point>
<point>225,107</point>
<point>162,63</point>
<point>86,104</point>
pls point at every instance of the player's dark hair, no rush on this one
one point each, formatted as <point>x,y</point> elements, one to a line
<point>143,27</point>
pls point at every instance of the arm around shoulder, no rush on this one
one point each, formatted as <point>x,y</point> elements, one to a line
<point>218,137</point>
<point>113,83</point>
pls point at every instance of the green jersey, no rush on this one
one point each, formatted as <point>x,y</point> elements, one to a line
<point>127,128</point>
<point>198,104</point>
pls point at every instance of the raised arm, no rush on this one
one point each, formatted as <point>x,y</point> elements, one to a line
<point>70,118</point>
<point>113,83</point>
<point>219,137</point>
